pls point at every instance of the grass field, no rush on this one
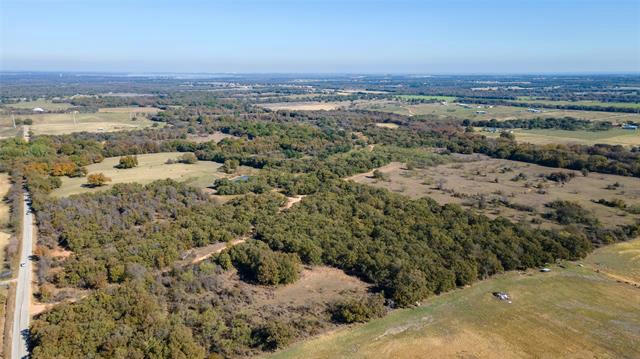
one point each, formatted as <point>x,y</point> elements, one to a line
<point>43,104</point>
<point>306,106</point>
<point>581,103</point>
<point>571,312</point>
<point>151,167</point>
<point>462,182</point>
<point>106,120</point>
<point>499,113</point>
<point>616,136</point>
<point>425,97</point>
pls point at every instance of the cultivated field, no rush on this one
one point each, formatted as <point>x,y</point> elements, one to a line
<point>465,182</point>
<point>616,136</point>
<point>499,113</point>
<point>151,167</point>
<point>106,120</point>
<point>572,312</point>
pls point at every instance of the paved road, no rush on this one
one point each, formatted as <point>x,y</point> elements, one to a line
<point>23,291</point>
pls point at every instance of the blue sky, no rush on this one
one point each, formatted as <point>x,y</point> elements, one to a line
<point>514,36</point>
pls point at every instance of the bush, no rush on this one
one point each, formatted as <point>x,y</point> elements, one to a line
<point>358,309</point>
<point>256,262</point>
<point>273,335</point>
<point>188,158</point>
<point>567,212</point>
<point>561,177</point>
<point>230,166</point>
<point>128,162</point>
<point>97,179</point>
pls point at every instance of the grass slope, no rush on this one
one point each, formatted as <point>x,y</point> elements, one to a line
<point>571,313</point>
<point>616,136</point>
<point>151,167</point>
<point>111,119</point>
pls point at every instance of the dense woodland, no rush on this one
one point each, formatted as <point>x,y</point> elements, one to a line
<point>129,244</point>
<point>565,123</point>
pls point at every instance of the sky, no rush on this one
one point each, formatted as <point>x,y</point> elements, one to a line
<point>348,36</point>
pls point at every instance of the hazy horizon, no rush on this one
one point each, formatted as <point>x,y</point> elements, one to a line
<point>363,37</point>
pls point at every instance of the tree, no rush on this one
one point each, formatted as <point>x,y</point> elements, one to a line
<point>128,162</point>
<point>97,179</point>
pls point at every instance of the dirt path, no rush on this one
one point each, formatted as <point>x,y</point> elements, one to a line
<point>619,278</point>
<point>292,200</point>
<point>215,249</point>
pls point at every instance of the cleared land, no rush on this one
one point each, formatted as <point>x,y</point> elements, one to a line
<point>571,312</point>
<point>151,167</point>
<point>427,97</point>
<point>465,182</point>
<point>581,103</point>
<point>499,113</point>
<point>106,120</point>
<point>307,106</point>
<point>216,137</point>
<point>616,136</point>
<point>43,104</point>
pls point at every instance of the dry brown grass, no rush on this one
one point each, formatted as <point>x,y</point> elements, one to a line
<point>460,181</point>
<point>106,120</point>
<point>215,137</point>
<point>571,312</point>
<point>151,167</point>
<point>318,285</point>
<point>387,125</point>
<point>131,109</point>
<point>306,106</point>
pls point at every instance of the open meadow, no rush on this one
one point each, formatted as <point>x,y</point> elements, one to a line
<point>41,103</point>
<point>516,190</point>
<point>306,106</point>
<point>626,105</point>
<point>482,112</point>
<point>151,167</point>
<point>105,120</point>
<point>614,136</point>
<point>573,312</point>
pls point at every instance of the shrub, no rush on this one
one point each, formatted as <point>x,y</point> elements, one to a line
<point>561,177</point>
<point>256,262</point>
<point>230,166</point>
<point>360,309</point>
<point>567,212</point>
<point>273,335</point>
<point>97,179</point>
<point>188,158</point>
<point>128,162</point>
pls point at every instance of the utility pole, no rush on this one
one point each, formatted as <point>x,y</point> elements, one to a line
<point>13,117</point>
